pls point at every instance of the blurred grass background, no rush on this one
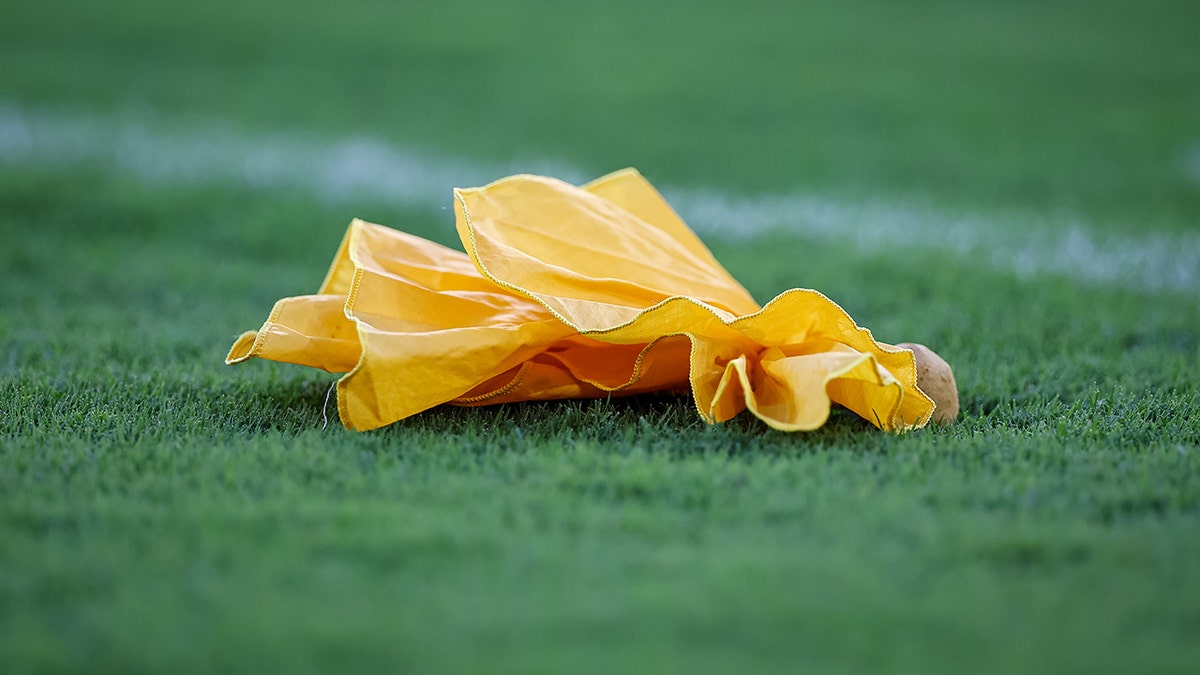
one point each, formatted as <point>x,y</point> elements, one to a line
<point>1091,108</point>
<point>159,511</point>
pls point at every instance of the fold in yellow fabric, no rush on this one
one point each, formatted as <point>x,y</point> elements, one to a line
<point>575,292</point>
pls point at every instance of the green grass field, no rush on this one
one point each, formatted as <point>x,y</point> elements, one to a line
<point>161,512</point>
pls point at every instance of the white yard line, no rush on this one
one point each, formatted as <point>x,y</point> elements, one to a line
<point>363,167</point>
<point>1191,162</point>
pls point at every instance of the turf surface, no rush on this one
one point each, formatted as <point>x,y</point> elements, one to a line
<point>159,511</point>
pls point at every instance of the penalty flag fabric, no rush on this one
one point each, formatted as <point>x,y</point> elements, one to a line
<point>575,292</point>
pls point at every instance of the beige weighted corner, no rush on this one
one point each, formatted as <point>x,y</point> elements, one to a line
<point>936,379</point>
